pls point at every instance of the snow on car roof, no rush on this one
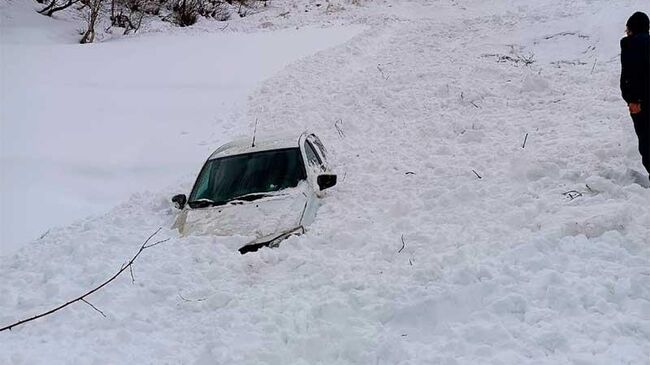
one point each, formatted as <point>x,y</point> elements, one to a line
<point>245,145</point>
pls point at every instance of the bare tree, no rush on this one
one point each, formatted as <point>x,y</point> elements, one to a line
<point>53,7</point>
<point>94,8</point>
<point>128,14</point>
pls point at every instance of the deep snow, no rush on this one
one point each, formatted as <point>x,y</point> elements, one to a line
<point>504,269</point>
<point>85,127</point>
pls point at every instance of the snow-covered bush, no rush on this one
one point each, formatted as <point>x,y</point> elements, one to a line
<point>186,12</point>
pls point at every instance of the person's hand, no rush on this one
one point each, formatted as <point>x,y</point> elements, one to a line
<point>635,108</point>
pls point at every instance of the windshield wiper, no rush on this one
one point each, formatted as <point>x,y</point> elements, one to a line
<point>249,197</point>
<point>203,202</point>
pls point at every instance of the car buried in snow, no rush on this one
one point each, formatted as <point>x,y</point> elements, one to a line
<point>269,189</point>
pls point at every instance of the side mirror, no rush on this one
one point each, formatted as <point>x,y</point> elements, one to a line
<point>326,181</point>
<point>179,201</point>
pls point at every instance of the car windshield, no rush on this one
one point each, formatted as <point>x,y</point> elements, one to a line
<point>224,179</point>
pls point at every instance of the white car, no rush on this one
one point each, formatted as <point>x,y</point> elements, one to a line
<point>269,189</point>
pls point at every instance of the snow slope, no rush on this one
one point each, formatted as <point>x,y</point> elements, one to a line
<point>413,259</point>
<point>85,127</point>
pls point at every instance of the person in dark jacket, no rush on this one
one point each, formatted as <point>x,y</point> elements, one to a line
<point>635,79</point>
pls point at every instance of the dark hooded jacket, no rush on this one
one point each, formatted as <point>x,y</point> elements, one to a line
<point>635,68</point>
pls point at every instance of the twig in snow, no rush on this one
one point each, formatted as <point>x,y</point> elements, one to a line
<point>563,34</point>
<point>83,296</point>
<point>589,188</point>
<point>381,71</point>
<point>572,194</point>
<point>525,139</point>
<point>191,300</point>
<point>403,245</point>
<point>44,234</point>
<point>93,307</point>
<point>410,262</point>
<point>476,106</point>
<point>516,59</point>
<point>254,133</point>
<point>409,173</point>
<point>477,175</point>
<point>560,63</point>
<point>132,276</point>
<point>154,244</point>
<point>594,66</point>
<point>527,60</point>
<point>339,128</point>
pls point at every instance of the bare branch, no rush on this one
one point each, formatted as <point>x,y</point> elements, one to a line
<point>132,276</point>
<point>339,128</point>
<point>94,8</point>
<point>93,307</point>
<point>44,234</point>
<point>564,34</point>
<point>383,74</point>
<point>516,59</point>
<point>52,8</point>
<point>594,66</point>
<point>254,133</point>
<point>47,8</point>
<point>83,296</point>
<point>157,243</point>
<point>191,300</point>
<point>525,139</point>
<point>403,245</point>
<point>572,194</point>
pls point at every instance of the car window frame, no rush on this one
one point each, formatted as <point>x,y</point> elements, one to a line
<point>319,147</point>
<point>301,163</point>
<point>309,145</point>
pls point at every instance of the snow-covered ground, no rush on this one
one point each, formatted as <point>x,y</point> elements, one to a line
<point>85,127</point>
<point>413,259</point>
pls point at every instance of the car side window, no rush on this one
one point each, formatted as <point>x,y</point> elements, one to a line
<point>312,157</point>
<point>319,147</point>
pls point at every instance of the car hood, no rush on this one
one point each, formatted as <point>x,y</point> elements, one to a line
<point>258,218</point>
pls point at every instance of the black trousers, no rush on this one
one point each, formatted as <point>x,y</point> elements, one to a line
<point>642,129</point>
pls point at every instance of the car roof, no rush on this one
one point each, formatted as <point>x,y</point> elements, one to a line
<point>265,143</point>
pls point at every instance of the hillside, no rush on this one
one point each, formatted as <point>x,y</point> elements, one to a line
<point>446,241</point>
